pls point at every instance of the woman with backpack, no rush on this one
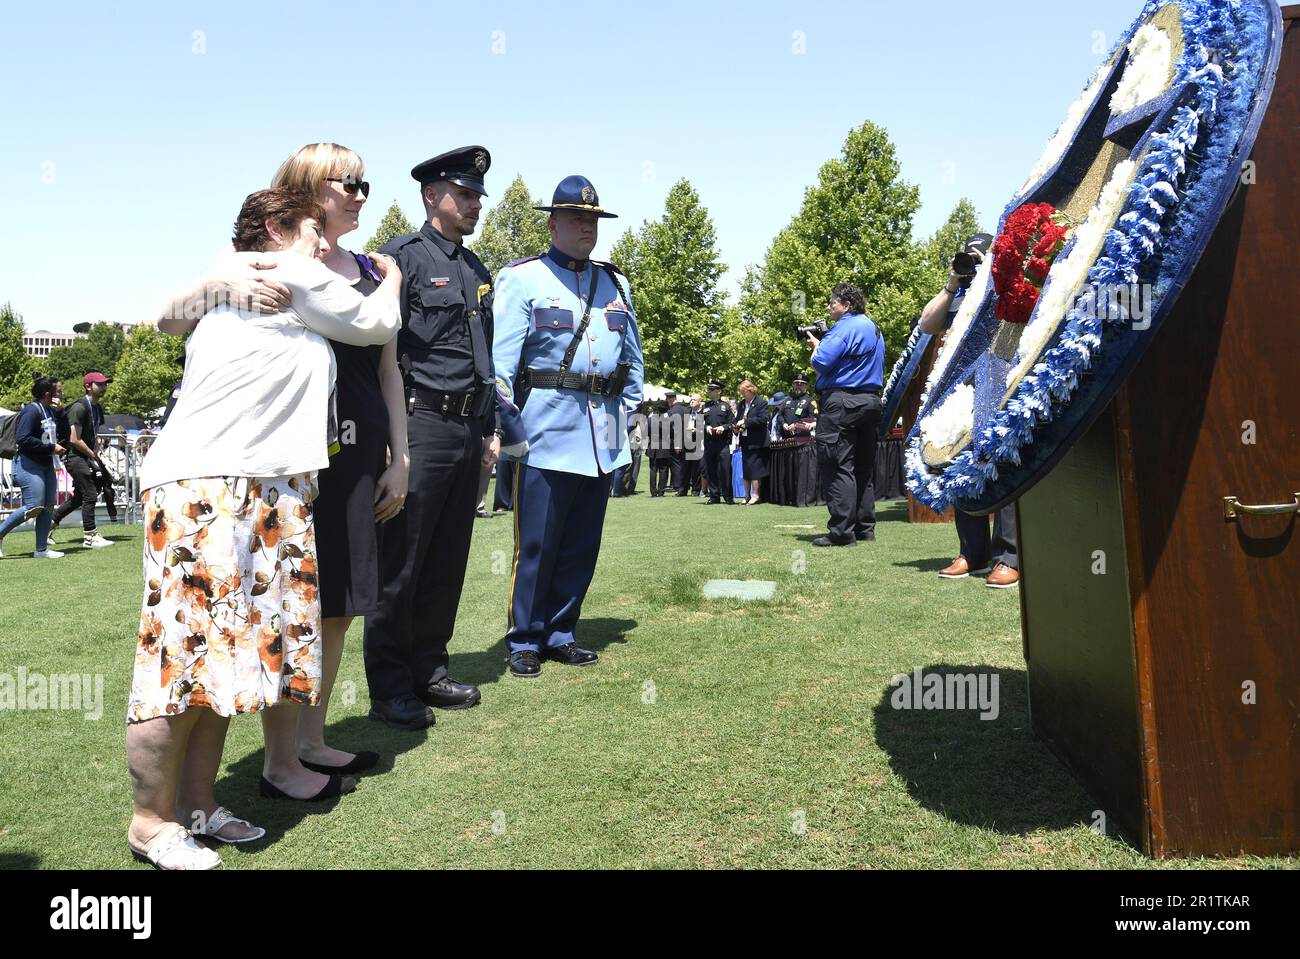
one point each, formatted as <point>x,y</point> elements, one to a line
<point>37,442</point>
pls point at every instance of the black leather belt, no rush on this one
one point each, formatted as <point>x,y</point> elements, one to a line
<point>555,380</point>
<point>874,391</point>
<point>451,404</point>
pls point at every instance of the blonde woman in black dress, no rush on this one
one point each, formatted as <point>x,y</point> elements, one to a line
<point>364,486</point>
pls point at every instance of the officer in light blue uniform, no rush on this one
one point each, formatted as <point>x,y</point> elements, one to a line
<point>569,373</point>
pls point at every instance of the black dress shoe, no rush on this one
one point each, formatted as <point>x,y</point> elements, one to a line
<point>337,786</point>
<point>713,502</point>
<point>446,693</point>
<point>827,541</point>
<point>571,654</point>
<point>525,664</point>
<point>865,537</point>
<point>403,712</point>
<point>359,764</point>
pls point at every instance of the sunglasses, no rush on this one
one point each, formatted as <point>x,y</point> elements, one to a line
<point>351,184</point>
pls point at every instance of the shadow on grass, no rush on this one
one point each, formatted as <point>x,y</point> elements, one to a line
<point>928,565</point>
<point>489,665</point>
<point>19,860</point>
<point>238,791</point>
<point>992,773</point>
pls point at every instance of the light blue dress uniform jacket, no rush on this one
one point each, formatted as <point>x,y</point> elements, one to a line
<point>536,310</point>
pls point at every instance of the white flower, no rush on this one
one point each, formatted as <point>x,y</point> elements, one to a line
<point>952,421</point>
<point>1147,73</point>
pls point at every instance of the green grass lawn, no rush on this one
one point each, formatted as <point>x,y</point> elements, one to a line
<point>711,733</point>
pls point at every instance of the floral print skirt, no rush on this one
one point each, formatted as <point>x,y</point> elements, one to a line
<point>231,613</point>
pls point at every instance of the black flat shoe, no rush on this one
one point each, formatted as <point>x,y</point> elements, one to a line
<point>446,693</point>
<point>337,786</point>
<point>827,541</point>
<point>360,763</point>
<point>525,664</point>
<point>403,712</point>
<point>571,654</point>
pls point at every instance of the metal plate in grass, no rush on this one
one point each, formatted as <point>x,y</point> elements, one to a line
<point>739,589</point>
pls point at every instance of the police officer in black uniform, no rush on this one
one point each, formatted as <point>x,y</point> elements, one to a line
<point>797,410</point>
<point>445,351</point>
<point>718,418</point>
<point>679,422</point>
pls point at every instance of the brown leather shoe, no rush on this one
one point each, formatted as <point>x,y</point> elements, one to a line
<point>1002,577</point>
<point>959,569</point>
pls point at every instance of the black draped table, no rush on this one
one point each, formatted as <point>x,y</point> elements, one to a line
<point>795,479</point>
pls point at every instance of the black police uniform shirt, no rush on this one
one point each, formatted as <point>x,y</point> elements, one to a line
<point>797,408</point>
<point>718,413</point>
<point>443,283</point>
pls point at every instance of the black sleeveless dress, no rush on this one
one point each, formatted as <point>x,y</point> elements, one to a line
<point>347,537</point>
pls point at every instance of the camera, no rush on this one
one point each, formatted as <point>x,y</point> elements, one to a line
<point>964,265</point>
<point>818,329</point>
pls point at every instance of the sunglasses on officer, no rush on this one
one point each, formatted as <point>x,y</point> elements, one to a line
<point>351,184</point>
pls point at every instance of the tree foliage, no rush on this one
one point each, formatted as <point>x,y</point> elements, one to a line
<point>512,229</point>
<point>674,268</point>
<point>394,224</point>
<point>16,367</point>
<point>99,349</point>
<point>151,364</point>
<point>854,226</point>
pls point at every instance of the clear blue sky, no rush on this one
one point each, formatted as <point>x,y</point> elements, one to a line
<point>125,153</point>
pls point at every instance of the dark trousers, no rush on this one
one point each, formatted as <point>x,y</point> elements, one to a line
<point>678,465</point>
<point>660,469</point>
<point>846,455</point>
<point>85,491</point>
<point>425,549</point>
<point>633,474</point>
<point>717,467</point>
<point>979,549</point>
<point>503,497</point>
<point>694,470</point>
<point>559,518</point>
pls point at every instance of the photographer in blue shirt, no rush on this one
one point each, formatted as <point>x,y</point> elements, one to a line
<point>849,360</point>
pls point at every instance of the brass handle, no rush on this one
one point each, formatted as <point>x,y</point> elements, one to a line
<point>1231,507</point>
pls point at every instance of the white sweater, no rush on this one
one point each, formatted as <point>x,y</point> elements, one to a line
<point>255,398</point>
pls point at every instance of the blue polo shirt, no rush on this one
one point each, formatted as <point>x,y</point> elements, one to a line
<point>851,355</point>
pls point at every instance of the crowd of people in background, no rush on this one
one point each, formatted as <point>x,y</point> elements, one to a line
<point>51,437</point>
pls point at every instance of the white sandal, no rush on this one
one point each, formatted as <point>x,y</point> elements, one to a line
<point>222,817</point>
<point>173,848</point>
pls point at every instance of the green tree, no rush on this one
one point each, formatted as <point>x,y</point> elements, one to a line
<point>512,229</point>
<point>854,226</point>
<point>745,351</point>
<point>16,366</point>
<point>674,268</point>
<point>394,224</point>
<point>99,349</point>
<point>150,366</point>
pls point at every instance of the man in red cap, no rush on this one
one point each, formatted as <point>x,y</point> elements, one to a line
<point>85,417</point>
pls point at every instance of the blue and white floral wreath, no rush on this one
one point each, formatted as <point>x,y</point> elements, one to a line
<point>1141,169</point>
